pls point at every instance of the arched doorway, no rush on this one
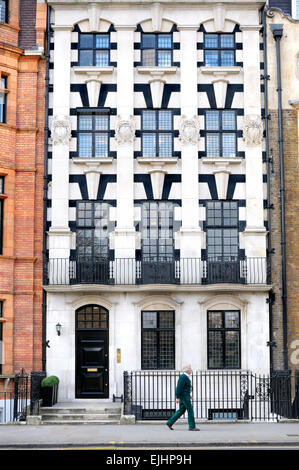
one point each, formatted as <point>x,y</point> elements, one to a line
<point>92,348</point>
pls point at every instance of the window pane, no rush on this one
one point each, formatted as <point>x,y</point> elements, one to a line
<point>149,145</point>
<point>215,349</point>
<point>2,10</point>
<point>165,145</point>
<point>149,320</point>
<point>86,58</point>
<point>232,353</point>
<point>212,120</point>
<point>212,143</point>
<point>148,57</point>
<point>211,41</point>
<point>166,320</point>
<point>166,349</point>
<point>227,41</point>
<point>229,145</point>
<point>165,121</point>
<point>228,120</point>
<point>101,123</point>
<point>85,145</point>
<point>102,58</point>
<point>86,41</point>
<point>101,145</point>
<point>164,58</point>
<point>148,121</point>
<point>164,41</point>
<point>85,123</point>
<point>148,41</point>
<point>232,320</point>
<point>211,58</point>
<point>150,352</point>
<point>227,58</point>
<point>102,41</point>
<point>215,320</point>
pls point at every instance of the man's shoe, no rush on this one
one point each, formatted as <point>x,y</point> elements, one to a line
<point>169,425</point>
<point>194,429</point>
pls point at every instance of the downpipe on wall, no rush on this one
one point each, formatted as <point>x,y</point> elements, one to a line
<point>277,31</point>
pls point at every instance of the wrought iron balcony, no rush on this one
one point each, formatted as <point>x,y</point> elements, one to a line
<point>129,271</point>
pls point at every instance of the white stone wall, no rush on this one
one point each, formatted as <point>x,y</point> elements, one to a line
<point>194,87</point>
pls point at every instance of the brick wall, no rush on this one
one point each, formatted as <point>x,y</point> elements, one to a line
<point>291,166</point>
<point>22,164</point>
<point>27,36</point>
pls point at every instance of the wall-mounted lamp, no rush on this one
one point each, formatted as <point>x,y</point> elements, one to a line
<point>58,329</point>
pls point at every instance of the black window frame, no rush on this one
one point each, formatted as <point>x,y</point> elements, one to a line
<point>223,329</point>
<point>3,88</point>
<point>93,131</point>
<point>220,49</point>
<point>220,132</point>
<point>146,219</point>
<point>222,227</point>
<point>92,227</point>
<point>158,330</point>
<point>103,317</point>
<point>156,49</point>
<point>94,49</point>
<point>5,16</point>
<point>157,132</point>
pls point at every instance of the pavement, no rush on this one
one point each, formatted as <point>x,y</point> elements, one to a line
<point>151,435</point>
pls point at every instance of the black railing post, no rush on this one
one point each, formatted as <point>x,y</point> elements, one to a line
<point>35,385</point>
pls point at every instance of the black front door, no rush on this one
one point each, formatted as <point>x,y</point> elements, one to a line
<point>92,347</point>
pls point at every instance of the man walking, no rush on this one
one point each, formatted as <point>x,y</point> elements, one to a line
<point>183,396</point>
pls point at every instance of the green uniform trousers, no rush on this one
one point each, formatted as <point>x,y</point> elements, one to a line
<point>185,405</point>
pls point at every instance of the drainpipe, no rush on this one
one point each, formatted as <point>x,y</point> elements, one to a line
<point>277,31</point>
<point>266,77</point>
<point>44,306</point>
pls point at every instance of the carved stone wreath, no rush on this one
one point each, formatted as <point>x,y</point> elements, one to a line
<point>125,130</point>
<point>61,130</point>
<point>253,130</point>
<point>189,130</point>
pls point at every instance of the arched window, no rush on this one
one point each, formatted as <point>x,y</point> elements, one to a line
<point>92,317</point>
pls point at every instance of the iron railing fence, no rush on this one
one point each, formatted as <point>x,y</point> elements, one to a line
<point>217,395</point>
<point>21,396</point>
<point>129,271</point>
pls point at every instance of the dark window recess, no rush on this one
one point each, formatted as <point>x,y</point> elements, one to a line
<point>224,351</point>
<point>4,11</point>
<point>3,99</point>
<point>93,135</point>
<point>157,133</point>
<point>158,340</point>
<point>219,49</point>
<point>156,49</point>
<point>94,49</point>
<point>221,133</point>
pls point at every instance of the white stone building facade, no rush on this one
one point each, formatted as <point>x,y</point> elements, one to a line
<point>157,230</point>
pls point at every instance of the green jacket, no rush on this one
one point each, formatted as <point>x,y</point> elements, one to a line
<point>183,387</point>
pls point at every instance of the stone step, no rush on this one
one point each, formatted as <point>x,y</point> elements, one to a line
<point>82,417</point>
<point>73,411</point>
<point>80,422</point>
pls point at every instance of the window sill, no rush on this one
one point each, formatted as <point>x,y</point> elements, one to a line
<point>92,69</point>
<point>157,160</point>
<point>92,160</point>
<point>222,160</point>
<point>220,70</point>
<point>156,70</point>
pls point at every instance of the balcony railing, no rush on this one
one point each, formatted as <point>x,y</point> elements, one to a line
<point>129,271</point>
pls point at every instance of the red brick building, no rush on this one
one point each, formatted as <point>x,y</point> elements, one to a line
<point>22,120</point>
